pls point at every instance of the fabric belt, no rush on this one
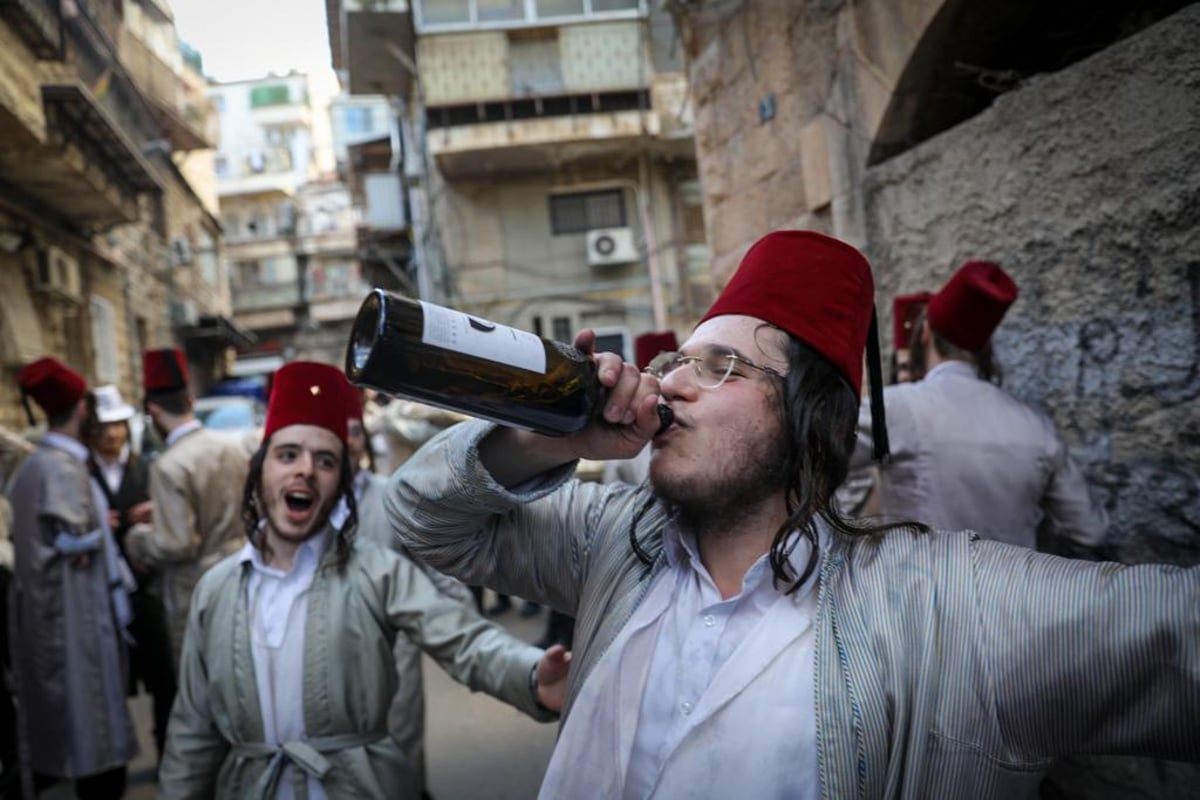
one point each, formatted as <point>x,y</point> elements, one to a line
<point>306,754</point>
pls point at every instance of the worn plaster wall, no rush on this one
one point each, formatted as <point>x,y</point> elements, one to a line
<point>1085,185</point>
<point>760,75</point>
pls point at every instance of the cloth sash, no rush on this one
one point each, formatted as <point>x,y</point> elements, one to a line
<point>306,754</point>
<point>120,577</point>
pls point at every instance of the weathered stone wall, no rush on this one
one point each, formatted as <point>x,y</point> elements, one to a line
<point>759,170</point>
<point>1085,185</point>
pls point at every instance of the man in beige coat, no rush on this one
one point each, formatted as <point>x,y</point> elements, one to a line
<point>195,489</point>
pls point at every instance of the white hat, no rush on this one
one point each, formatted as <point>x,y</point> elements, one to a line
<point>110,406</point>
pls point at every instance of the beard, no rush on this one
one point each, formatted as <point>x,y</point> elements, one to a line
<point>714,503</point>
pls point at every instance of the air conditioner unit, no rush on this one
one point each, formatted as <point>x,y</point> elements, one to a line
<point>606,246</point>
<point>181,252</point>
<point>183,313</point>
<point>58,273</point>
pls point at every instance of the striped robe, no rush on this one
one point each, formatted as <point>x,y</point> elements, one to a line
<point>946,665</point>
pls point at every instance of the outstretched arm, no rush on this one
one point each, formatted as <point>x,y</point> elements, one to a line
<point>1091,657</point>
<point>172,537</point>
<point>474,651</point>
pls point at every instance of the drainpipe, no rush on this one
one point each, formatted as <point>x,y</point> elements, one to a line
<point>643,198</point>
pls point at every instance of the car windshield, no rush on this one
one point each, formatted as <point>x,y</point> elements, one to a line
<point>227,413</point>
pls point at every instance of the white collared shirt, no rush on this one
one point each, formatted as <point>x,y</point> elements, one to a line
<point>113,471</point>
<point>337,517</point>
<point>278,605</point>
<point>725,692</point>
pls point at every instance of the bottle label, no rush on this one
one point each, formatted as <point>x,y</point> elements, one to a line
<point>474,336</point>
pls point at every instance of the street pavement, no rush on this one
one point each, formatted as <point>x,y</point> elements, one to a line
<point>475,746</point>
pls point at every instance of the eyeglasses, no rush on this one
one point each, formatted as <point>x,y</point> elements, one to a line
<point>712,367</point>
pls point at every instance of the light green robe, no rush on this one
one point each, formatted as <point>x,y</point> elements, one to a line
<point>406,719</point>
<point>215,738</point>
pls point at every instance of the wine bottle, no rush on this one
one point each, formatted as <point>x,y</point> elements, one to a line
<point>453,360</point>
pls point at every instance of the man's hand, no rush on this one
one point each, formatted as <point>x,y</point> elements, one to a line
<point>134,547</point>
<point>114,519</point>
<point>630,416</point>
<point>140,513</point>
<point>552,677</point>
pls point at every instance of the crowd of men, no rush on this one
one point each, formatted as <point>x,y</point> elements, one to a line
<point>740,628</point>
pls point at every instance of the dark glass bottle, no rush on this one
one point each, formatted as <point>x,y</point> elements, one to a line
<point>458,361</point>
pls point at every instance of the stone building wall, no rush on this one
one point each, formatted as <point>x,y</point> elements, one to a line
<point>759,74</point>
<point>1085,185</point>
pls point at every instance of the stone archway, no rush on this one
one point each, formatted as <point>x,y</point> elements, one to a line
<point>931,64</point>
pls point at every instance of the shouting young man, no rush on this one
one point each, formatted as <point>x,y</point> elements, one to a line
<point>288,669</point>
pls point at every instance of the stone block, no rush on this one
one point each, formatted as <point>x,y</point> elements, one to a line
<point>814,163</point>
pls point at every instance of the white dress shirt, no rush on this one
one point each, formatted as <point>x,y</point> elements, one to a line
<point>725,692</point>
<point>337,517</point>
<point>114,470</point>
<point>278,604</point>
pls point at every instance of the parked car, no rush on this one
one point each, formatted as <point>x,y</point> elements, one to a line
<point>230,413</point>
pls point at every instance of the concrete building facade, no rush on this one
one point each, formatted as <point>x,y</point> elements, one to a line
<point>102,236</point>
<point>551,172</point>
<point>294,275</point>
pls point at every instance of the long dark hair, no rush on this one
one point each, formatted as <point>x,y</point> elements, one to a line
<point>818,413</point>
<point>252,513</point>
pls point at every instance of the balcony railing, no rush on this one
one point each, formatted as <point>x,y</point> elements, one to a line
<point>151,74</point>
<point>265,296</point>
<point>38,23</point>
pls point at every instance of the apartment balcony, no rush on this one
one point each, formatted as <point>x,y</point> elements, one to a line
<point>529,99</point>
<point>38,23</point>
<point>288,115</point>
<point>337,303</point>
<point>183,124</point>
<point>271,170</point>
<point>262,297</point>
<point>371,42</point>
<point>538,142</point>
<point>87,169</point>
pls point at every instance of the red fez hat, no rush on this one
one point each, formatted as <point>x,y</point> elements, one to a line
<point>164,370</point>
<point>308,393</point>
<point>53,385</point>
<point>648,345</point>
<point>815,287</point>
<point>968,308</point>
<point>906,310</point>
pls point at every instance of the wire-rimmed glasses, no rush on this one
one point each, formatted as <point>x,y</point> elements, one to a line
<point>712,367</point>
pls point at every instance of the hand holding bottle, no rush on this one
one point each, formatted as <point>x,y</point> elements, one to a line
<point>561,402</point>
<point>629,417</point>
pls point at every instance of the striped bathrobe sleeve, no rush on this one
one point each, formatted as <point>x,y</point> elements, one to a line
<point>532,541</point>
<point>1091,657</point>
